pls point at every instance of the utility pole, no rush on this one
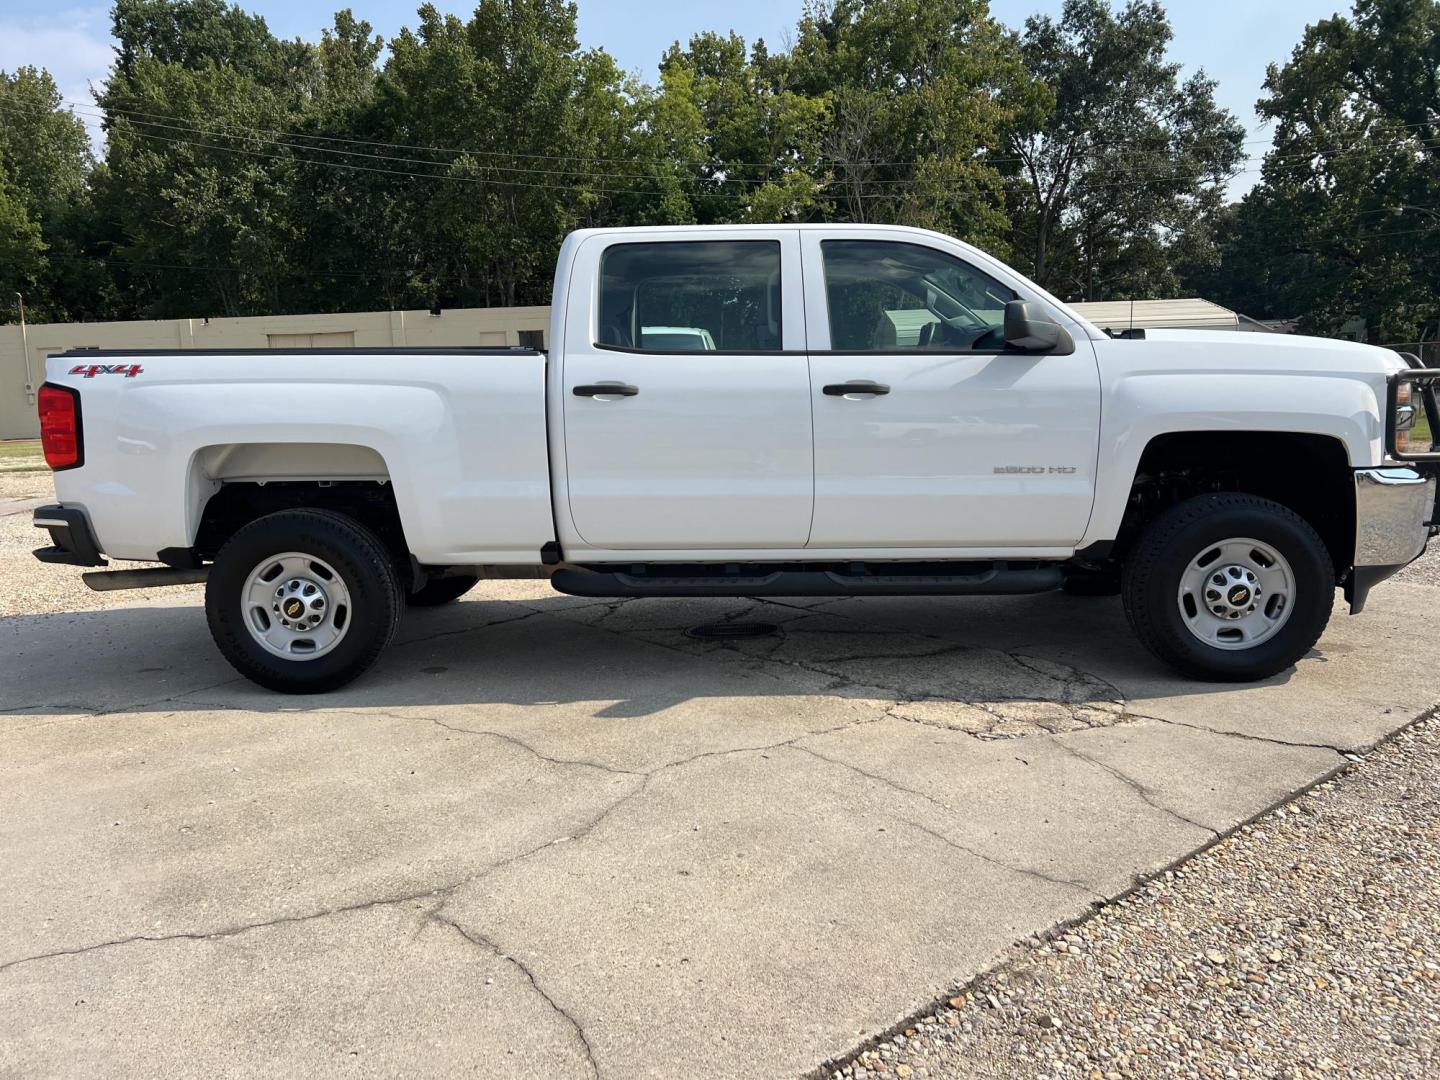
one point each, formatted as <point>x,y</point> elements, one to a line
<point>25,348</point>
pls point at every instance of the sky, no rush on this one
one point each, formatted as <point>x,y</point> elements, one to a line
<point>1232,40</point>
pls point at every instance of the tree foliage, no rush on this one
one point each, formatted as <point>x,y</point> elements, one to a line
<point>244,174</point>
<point>46,215</point>
<point>1122,169</point>
<point>1344,227</point>
<point>918,95</point>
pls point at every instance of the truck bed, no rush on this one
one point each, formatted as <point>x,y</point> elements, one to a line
<point>462,445</point>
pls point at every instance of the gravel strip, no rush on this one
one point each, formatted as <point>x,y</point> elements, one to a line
<point>1424,570</point>
<point>30,587</point>
<point>1302,946</point>
<point>32,484</point>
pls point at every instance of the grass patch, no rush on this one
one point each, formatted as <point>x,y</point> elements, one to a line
<point>21,455</point>
<point>14,448</point>
<point>1422,432</point>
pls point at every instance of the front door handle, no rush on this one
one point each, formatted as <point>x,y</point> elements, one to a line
<point>615,389</point>
<point>859,386</point>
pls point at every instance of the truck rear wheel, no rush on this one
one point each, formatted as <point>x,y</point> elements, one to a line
<point>442,590</point>
<point>1229,587</point>
<point>302,601</point>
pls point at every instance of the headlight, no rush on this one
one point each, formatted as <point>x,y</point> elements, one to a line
<point>1406,411</point>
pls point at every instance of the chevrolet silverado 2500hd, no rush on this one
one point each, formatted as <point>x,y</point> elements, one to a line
<point>754,411</point>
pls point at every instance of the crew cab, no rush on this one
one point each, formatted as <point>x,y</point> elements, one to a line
<point>754,411</point>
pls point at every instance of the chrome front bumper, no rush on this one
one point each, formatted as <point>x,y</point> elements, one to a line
<point>1395,515</point>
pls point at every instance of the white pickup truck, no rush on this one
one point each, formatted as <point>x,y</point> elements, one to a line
<point>754,411</point>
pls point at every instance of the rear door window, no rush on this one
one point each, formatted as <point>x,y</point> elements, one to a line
<point>691,296</point>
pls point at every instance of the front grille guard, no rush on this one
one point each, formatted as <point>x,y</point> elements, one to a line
<point>1426,384</point>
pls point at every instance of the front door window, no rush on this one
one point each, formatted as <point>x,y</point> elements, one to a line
<point>885,296</point>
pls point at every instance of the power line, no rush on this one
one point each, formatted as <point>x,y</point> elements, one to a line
<point>105,111</point>
<point>999,182</point>
<point>110,260</point>
<point>1401,232</point>
<point>1129,179</point>
<point>1204,176</point>
<point>397,172</point>
<point>102,113</point>
<point>974,183</point>
<point>528,170</point>
<point>834,188</point>
<point>275,136</point>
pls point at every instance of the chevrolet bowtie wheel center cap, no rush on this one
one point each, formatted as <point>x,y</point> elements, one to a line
<point>300,604</point>
<point>297,606</point>
<point>1236,594</point>
<point>1233,592</point>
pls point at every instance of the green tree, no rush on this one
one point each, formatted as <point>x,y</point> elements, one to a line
<point>1119,176</point>
<point>918,97</point>
<point>251,174</point>
<point>745,141</point>
<point>22,251</point>
<point>1345,224</point>
<point>196,178</point>
<point>526,123</point>
<point>247,174</point>
<point>354,250</point>
<point>46,213</point>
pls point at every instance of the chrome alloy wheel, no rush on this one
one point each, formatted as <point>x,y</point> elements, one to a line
<point>296,606</point>
<point>1236,594</point>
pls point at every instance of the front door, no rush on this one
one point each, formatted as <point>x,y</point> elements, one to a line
<point>929,432</point>
<point>687,405</point>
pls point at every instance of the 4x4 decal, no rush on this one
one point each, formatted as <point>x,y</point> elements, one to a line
<point>91,370</point>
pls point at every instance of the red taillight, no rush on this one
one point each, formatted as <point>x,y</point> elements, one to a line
<point>60,426</point>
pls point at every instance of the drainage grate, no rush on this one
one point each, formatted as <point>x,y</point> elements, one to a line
<point>724,630</point>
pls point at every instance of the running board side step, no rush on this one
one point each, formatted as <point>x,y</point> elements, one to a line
<point>992,581</point>
<point>146,578</point>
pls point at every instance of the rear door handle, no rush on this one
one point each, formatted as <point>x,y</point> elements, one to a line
<point>615,389</point>
<point>859,386</point>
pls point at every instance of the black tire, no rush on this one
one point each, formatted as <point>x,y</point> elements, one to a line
<point>1155,567</point>
<point>1091,584</point>
<point>442,590</point>
<point>357,556</point>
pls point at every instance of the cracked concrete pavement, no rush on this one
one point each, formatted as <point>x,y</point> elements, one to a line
<point>552,836</point>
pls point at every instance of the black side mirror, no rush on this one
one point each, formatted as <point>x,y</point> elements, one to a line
<point>1028,327</point>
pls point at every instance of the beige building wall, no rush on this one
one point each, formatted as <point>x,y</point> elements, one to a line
<point>23,350</point>
<point>23,353</point>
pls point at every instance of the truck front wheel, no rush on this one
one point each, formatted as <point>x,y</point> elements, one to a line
<point>1229,587</point>
<point>303,601</point>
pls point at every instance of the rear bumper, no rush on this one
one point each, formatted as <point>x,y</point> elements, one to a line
<point>1396,513</point>
<point>72,540</point>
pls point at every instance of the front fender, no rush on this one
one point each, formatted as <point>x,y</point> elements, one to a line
<point>1145,400</point>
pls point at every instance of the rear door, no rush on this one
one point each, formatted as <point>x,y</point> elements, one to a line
<point>929,431</point>
<point>687,403</point>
